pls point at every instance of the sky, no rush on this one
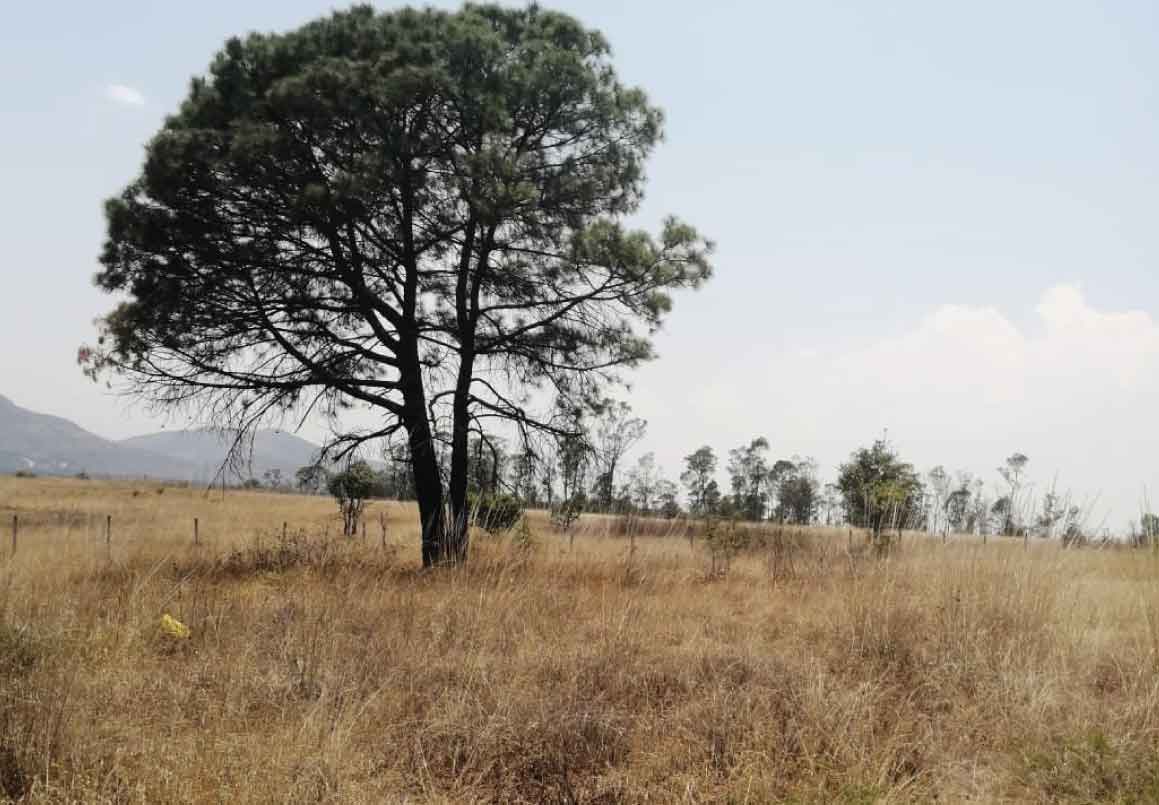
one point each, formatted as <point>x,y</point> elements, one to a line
<point>932,219</point>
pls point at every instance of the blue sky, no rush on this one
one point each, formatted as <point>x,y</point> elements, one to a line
<point>932,217</point>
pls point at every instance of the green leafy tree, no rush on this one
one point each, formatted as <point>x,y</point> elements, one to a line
<point>748,469</point>
<point>417,211</point>
<point>798,490</point>
<point>703,492</point>
<point>879,490</point>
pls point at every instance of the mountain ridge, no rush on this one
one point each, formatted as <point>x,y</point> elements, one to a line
<point>47,444</point>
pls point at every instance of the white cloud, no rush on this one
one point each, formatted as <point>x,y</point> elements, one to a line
<point>124,95</point>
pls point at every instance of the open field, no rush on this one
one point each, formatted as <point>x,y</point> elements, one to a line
<point>327,670</point>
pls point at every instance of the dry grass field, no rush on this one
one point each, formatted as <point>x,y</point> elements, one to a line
<point>328,670</point>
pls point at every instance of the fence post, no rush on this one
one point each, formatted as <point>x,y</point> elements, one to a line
<point>15,530</point>
<point>196,535</point>
<point>109,535</point>
<point>283,531</point>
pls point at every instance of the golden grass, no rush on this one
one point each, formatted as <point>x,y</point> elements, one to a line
<point>329,670</point>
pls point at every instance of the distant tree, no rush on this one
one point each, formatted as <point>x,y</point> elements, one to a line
<point>880,491</point>
<point>831,504</point>
<point>748,469</point>
<point>978,515</point>
<point>548,473</point>
<point>645,481</point>
<point>416,211</point>
<point>1001,510</point>
<point>957,505</point>
<point>798,490</point>
<point>781,471</point>
<point>667,499</point>
<point>939,498</point>
<point>351,488</point>
<point>312,478</point>
<point>524,472</point>
<point>1148,530</point>
<point>273,478</point>
<point>1012,472</point>
<point>712,498</point>
<point>251,483</point>
<point>699,469</point>
<point>398,475</point>
<point>616,432</point>
<point>486,464</point>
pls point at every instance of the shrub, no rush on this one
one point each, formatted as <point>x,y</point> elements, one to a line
<point>495,513</point>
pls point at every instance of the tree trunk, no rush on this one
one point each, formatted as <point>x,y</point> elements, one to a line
<point>428,492</point>
<point>457,528</point>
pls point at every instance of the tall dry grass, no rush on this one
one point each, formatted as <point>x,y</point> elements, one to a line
<point>612,670</point>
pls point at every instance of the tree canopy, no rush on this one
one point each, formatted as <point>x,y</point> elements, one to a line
<point>879,489</point>
<point>417,212</point>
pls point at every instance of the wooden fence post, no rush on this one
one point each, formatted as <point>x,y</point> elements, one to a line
<point>109,535</point>
<point>196,535</point>
<point>15,530</point>
<point>283,531</point>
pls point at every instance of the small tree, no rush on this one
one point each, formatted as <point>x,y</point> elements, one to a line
<point>1011,472</point>
<point>666,496</point>
<point>351,488</point>
<point>616,431</point>
<point>748,468</point>
<point>700,467</point>
<point>645,482</point>
<point>879,490</point>
<point>312,478</point>
<point>798,491</point>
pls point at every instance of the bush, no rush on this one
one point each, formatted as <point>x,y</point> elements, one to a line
<point>495,513</point>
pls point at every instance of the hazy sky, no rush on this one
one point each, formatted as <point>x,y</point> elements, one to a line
<point>936,218</point>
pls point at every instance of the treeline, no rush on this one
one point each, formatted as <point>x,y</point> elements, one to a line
<point>584,469</point>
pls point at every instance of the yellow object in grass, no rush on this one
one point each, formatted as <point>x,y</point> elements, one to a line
<point>173,627</point>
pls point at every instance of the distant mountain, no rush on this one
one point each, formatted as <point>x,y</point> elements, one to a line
<point>51,445</point>
<point>206,450</point>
